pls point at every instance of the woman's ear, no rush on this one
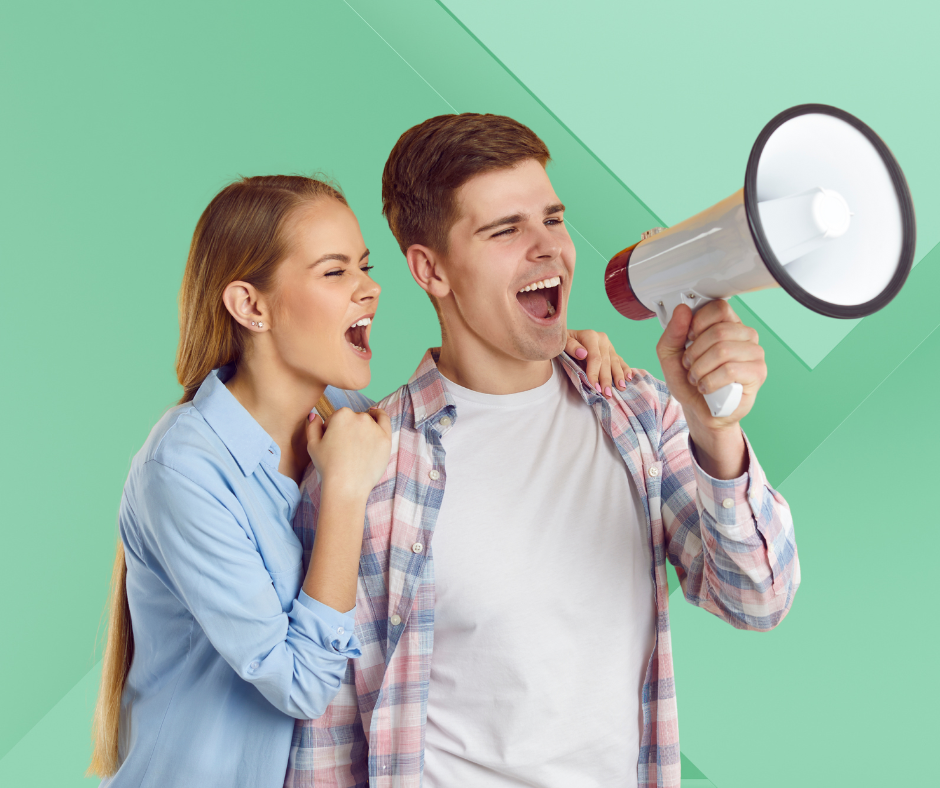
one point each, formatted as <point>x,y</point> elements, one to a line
<point>425,266</point>
<point>245,304</point>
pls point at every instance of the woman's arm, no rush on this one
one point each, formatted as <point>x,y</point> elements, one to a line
<point>350,455</point>
<point>197,539</point>
<point>596,355</point>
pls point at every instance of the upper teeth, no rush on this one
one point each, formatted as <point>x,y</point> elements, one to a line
<point>364,322</point>
<point>553,282</point>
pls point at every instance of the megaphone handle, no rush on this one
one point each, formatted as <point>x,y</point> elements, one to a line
<point>725,400</point>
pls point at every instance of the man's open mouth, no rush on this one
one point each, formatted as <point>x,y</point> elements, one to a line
<point>357,335</point>
<point>540,299</point>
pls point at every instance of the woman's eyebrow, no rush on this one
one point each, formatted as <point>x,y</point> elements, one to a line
<point>340,258</point>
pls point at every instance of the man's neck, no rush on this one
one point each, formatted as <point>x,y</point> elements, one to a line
<point>491,372</point>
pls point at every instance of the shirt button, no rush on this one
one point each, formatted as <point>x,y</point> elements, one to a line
<point>340,631</point>
<point>417,547</point>
<point>445,422</point>
<point>255,665</point>
<point>654,471</point>
<point>396,620</point>
<point>435,475</point>
<point>727,503</point>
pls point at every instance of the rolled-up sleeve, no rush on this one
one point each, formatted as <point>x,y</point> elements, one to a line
<point>192,539</point>
<point>731,540</point>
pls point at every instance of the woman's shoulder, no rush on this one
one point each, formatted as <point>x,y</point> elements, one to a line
<point>182,441</point>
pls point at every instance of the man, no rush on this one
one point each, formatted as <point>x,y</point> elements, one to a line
<point>513,600</point>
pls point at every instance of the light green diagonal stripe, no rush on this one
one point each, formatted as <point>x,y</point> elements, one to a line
<point>670,96</point>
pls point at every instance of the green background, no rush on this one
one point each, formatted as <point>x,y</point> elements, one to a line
<point>121,121</point>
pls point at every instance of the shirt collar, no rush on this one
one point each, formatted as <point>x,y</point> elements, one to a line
<point>241,434</point>
<point>426,386</point>
<point>429,397</point>
<point>578,378</point>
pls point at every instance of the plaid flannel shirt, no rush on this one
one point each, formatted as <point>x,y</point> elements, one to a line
<point>731,543</point>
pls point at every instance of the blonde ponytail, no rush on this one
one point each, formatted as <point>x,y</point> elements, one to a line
<point>115,665</point>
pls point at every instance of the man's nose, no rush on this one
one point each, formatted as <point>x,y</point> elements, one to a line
<point>546,245</point>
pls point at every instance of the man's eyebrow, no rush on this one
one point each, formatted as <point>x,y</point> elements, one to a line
<point>512,219</point>
<point>519,217</point>
<point>340,258</point>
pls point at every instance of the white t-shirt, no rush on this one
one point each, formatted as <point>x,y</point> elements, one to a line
<point>544,614</point>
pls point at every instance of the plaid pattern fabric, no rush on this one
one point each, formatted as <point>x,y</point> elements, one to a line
<point>731,542</point>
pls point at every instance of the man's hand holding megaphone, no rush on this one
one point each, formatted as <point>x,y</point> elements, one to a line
<point>723,350</point>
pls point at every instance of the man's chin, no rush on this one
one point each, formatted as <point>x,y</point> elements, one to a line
<point>542,345</point>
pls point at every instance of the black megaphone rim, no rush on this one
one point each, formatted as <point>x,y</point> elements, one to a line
<point>778,270</point>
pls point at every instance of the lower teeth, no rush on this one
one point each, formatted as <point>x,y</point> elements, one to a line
<point>360,349</point>
<point>551,309</point>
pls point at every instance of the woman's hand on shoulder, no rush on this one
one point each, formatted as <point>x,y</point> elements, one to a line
<point>600,362</point>
<point>351,452</point>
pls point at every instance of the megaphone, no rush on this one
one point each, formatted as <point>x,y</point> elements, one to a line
<point>825,213</point>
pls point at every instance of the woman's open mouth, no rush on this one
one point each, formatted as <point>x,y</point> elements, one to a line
<point>357,335</point>
<point>540,299</point>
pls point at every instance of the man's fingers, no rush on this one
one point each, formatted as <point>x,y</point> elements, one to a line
<point>747,373</point>
<point>676,333</point>
<point>725,356</point>
<point>717,311</point>
<point>720,339</point>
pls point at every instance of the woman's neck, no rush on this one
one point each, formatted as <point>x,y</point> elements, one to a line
<point>280,403</point>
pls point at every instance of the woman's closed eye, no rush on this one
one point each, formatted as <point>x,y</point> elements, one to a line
<point>341,271</point>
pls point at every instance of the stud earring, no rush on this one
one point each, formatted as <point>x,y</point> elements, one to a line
<point>252,322</point>
<point>260,325</point>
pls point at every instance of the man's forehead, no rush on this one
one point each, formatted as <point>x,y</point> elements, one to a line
<point>523,187</point>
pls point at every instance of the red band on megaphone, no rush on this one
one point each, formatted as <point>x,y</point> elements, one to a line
<point>617,284</point>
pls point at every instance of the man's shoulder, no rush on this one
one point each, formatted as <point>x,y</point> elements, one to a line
<point>646,391</point>
<point>647,403</point>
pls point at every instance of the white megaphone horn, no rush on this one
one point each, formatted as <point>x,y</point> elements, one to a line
<point>825,213</point>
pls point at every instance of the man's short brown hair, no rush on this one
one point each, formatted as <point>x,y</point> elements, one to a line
<point>432,160</point>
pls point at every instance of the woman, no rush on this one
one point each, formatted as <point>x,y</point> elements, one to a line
<point>229,642</point>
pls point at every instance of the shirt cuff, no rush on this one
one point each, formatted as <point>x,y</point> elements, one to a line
<point>333,627</point>
<point>734,504</point>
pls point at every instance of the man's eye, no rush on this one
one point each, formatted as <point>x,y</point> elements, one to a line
<point>504,232</point>
<point>555,220</point>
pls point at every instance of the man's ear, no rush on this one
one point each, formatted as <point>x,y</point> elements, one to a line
<point>246,305</point>
<point>425,266</point>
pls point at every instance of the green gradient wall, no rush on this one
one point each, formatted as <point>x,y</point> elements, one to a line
<point>120,123</point>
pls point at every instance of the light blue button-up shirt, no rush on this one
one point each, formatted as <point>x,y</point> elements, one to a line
<point>228,649</point>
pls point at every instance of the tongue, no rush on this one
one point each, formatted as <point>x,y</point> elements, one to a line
<point>536,302</point>
<point>357,336</point>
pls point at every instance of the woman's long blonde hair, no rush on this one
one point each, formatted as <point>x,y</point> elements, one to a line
<point>241,236</point>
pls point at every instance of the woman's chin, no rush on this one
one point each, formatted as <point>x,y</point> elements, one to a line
<point>354,380</point>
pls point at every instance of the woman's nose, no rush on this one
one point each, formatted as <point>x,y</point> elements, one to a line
<point>368,288</point>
